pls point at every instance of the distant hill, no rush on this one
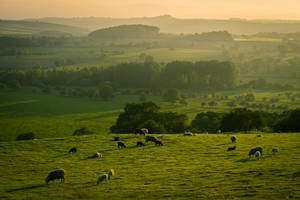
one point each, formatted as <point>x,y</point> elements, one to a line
<point>27,28</point>
<point>125,31</point>
<point>169,24</point>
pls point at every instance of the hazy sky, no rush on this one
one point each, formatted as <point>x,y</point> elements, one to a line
<point>250,9</point>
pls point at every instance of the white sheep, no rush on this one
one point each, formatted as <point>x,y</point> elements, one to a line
<point>275,149</point>
<point>257,155</point>
<point>95,155</point>
<point>187,133</point>
<point>254,150</point>
<point>101,178</point>
<point>111,173</point>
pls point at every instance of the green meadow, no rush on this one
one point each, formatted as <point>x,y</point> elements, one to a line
<point>195,167</point>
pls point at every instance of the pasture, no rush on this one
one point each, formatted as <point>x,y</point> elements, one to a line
<point>185,167</point>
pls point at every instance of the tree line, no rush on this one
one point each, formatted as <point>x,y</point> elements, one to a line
<point>148,115</point>
<point>149,74</point>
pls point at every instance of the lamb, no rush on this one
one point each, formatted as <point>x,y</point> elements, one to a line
<point>73,150</point>
<point>56,174</point>
<point>257,155</point>
<point>101,178</point>
<point>231,148</point>
<point>121,144</point>
<point>275,149</point>
<point>233,138</point>
<point>139,144</point>
<point>150,138</point>
<point>95,155</point>
<point>255,149</point>
<point>111,173</point>
<point>157,142</point>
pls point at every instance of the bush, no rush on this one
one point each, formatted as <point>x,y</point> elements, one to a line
<point>26,136</point>
<point>82,131</point>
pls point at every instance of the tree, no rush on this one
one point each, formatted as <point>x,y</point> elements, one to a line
<point>242,119</point>
<point>207,121</point>
<point>289,122</point>
<point>143,97</point>
<point>171,95</point>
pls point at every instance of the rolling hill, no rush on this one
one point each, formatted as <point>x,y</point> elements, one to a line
<point>169,24</point>
<point>28,28</point>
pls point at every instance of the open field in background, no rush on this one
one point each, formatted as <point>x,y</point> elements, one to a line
<point>197,167</point>
<point>52,115</point>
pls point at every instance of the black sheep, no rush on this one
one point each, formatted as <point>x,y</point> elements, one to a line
<point>231,148</point>
<point>121,144</point>
<point>139,144</point>
<point>73,150</point>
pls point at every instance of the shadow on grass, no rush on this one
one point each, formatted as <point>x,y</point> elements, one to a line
<point>244,160</point>
<point>26,188</point>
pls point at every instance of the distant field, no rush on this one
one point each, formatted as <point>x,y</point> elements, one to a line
<point>50,116</point>
<point>197,167</point>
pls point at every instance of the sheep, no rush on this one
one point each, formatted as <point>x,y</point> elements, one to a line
<point>56,174</point>
<point>139,144</point>
<point>157,142</point>
<point>150,138</point>
<point>101,178</point>
<point>233,138</point>
<point>111,173</point>
<point>258,135</point>
<point>95,155</point>
<point>255,149</point>
<point>257,155</point>
<point>142,131</point>
<point>231,148</point>
<point>187,133</point>
<point>73,150</point>
<point>219,131</point>
<point>275,149</point>
<point>121,144</point>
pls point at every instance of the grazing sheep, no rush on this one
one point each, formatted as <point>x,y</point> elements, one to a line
<point>219,131</point>
<point>111,172</point>
<point>160,136</point>
<point>257,155</point>
<point>233,138</point>
<point>157,142</point>
<point>150,138</point>
<point>73,150</point>
<point>142,131</point>
<point>255,149</point>
<point>56,174</point>
<point>121,144</point>
<point>275,149</point>
<point>101,178</point>
<point>258,135</point>
<point>95,155</point>
<point>187,133</point>
<point>139,144</point>
<point>231,148</point>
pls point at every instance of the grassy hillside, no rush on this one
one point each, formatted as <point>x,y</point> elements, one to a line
<point>197,167</point>
<point>27,28</point>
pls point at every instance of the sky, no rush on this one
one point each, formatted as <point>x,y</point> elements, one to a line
<point>213,9</point>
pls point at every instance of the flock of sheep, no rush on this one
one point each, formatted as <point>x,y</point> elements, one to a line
<point>60,173</point>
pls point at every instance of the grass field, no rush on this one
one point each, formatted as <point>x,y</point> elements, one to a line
<point>197,167</point>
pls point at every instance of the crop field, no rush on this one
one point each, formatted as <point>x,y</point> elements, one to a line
<point>184,168</point>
